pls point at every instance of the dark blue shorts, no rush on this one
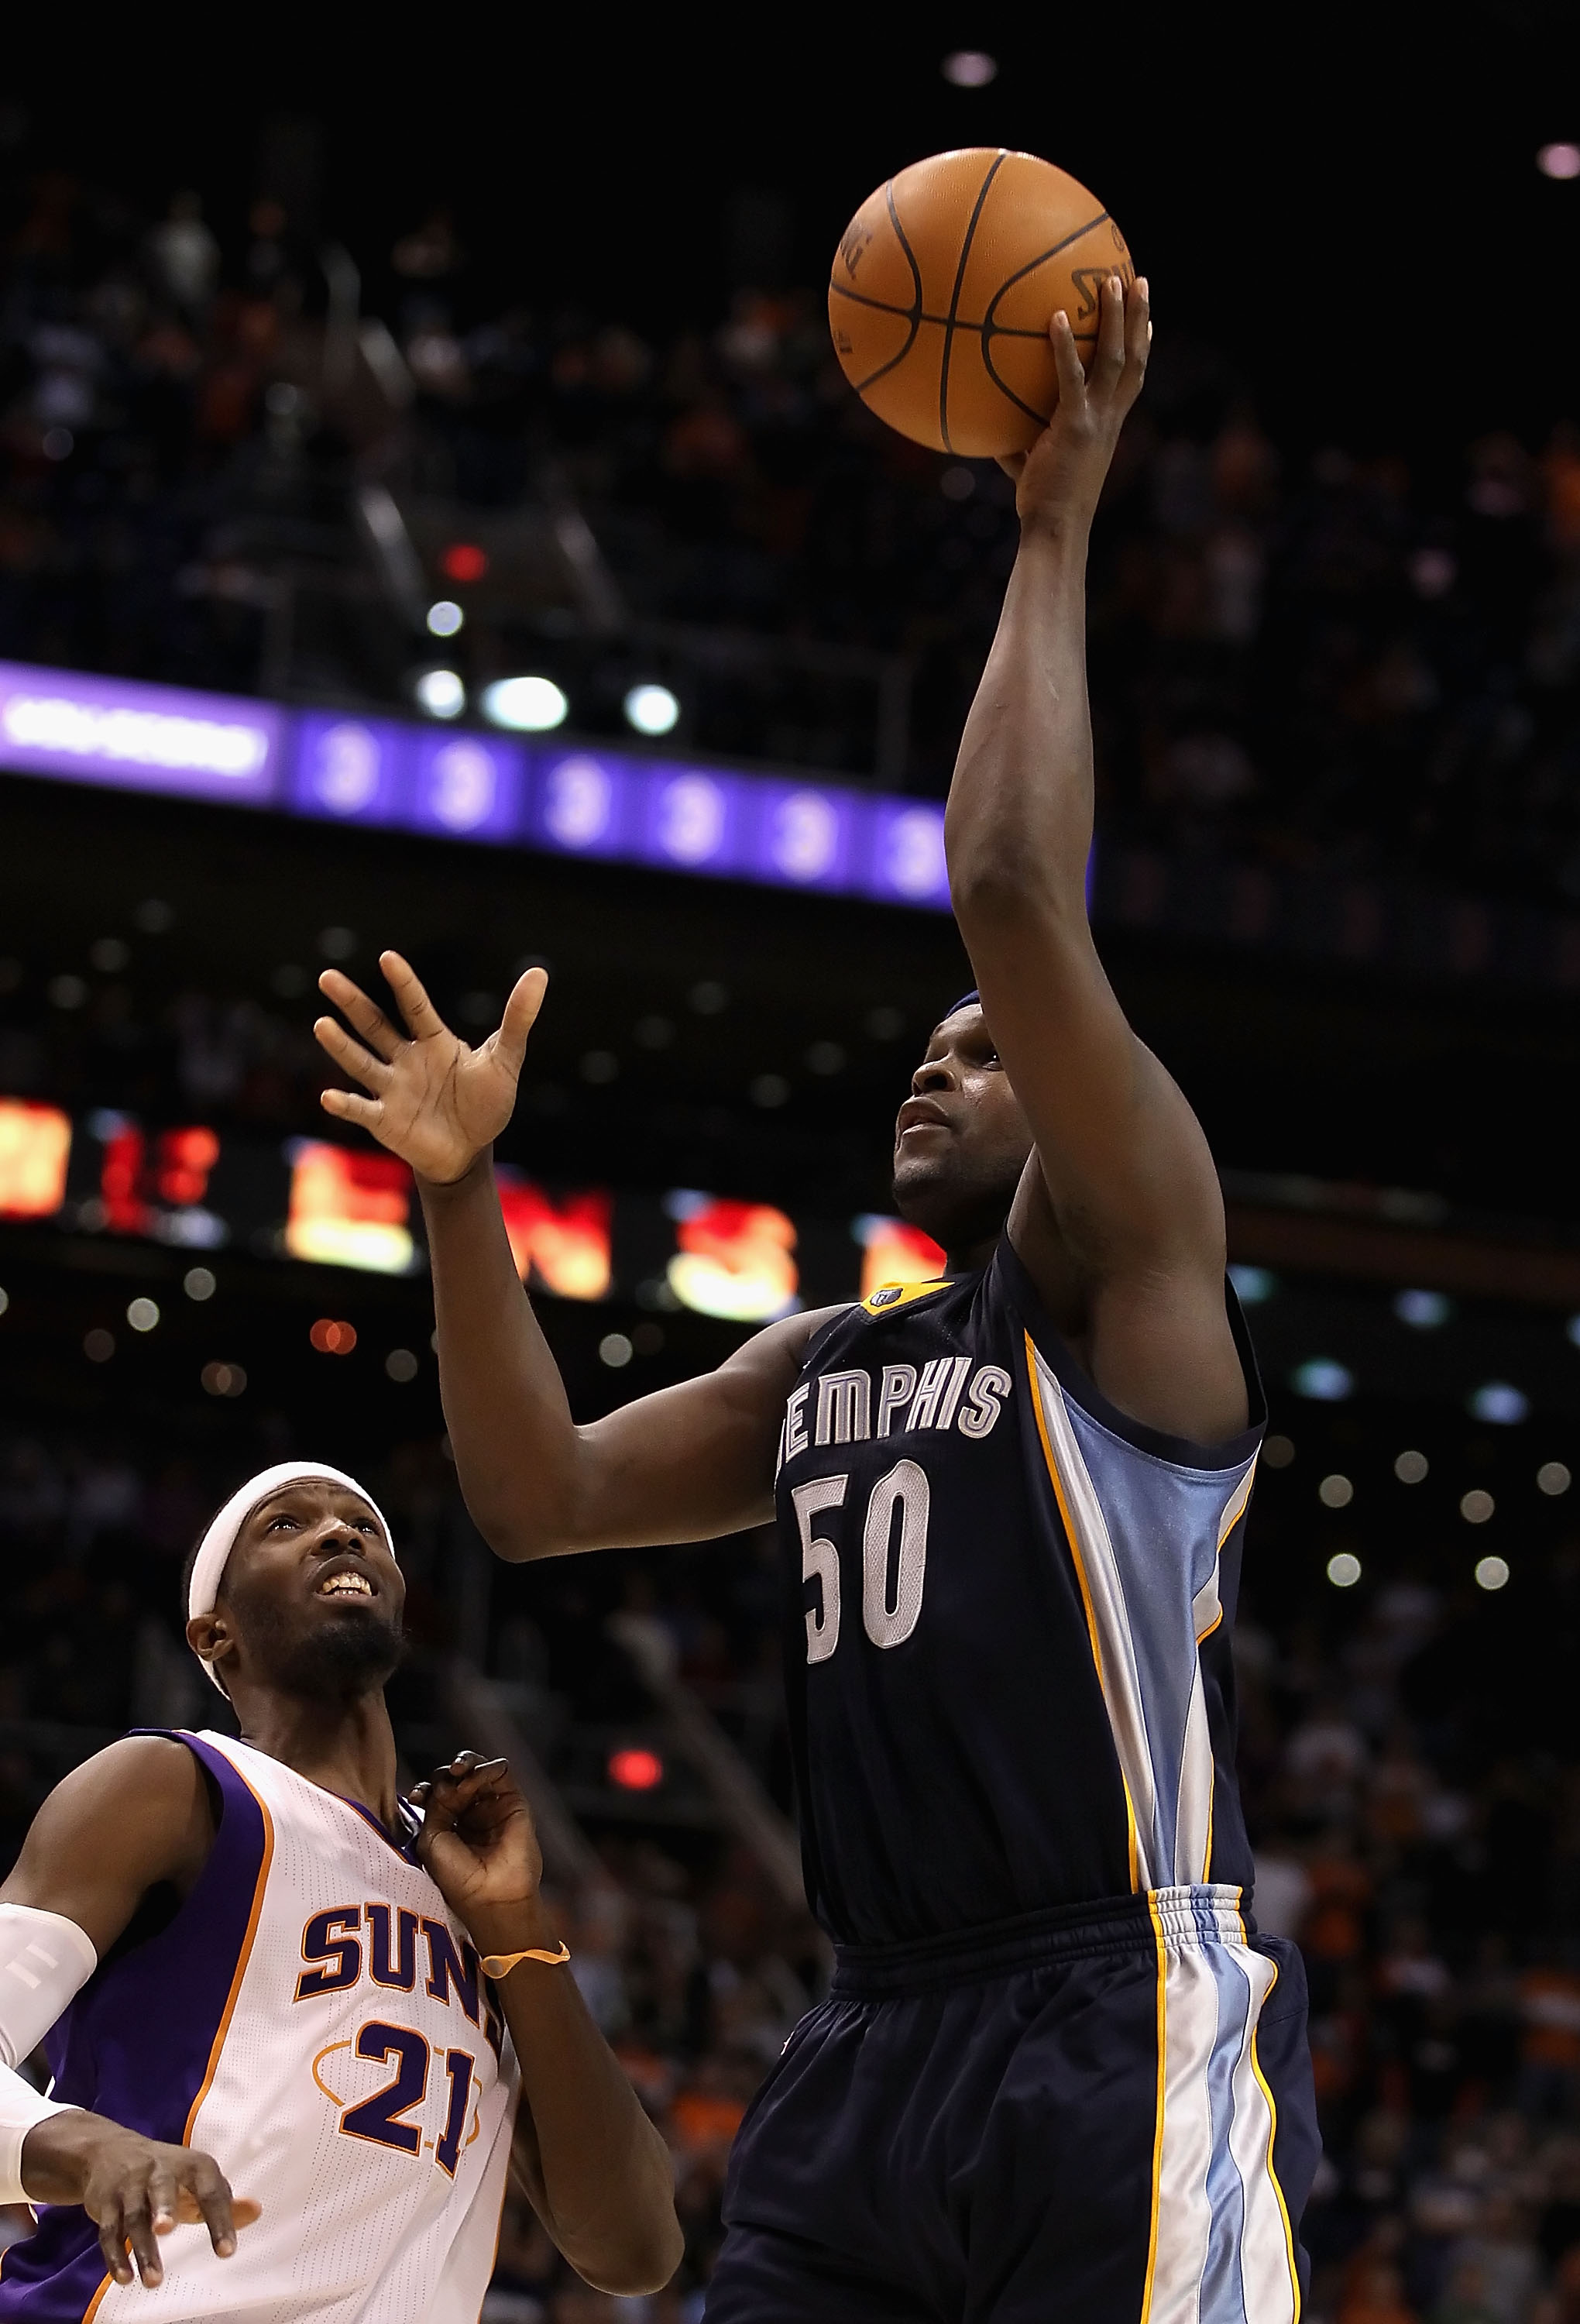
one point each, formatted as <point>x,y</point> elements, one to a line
<point>1100,2116</point>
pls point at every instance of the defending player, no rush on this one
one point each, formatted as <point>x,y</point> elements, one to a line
<point>1055,2074</point>
<point>256,1965</point>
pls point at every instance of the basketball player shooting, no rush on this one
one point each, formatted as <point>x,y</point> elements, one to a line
<point>1058,2073</point>
<point>285,2081</point>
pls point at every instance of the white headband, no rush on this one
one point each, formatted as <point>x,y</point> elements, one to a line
<point>220,1539</point>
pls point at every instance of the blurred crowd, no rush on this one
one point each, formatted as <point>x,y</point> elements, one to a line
<point>1300,649</point>
<point>1410,1779</point>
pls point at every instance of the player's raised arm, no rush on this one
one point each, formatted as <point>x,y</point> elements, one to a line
<point>133,1816</point>
<point>686,1464</point>
<point>598,2171</point>
<point>1123,1183</point>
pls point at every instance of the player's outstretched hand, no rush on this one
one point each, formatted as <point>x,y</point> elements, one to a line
<point>1058,481</point>
<point>477,1843</point>
<point>433,1100</point>
<point>135,2190</point>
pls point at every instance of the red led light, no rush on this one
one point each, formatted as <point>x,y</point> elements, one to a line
<point>463,561</point>
<point>333,1339</point>
<point>186,1158</point>
<point>636,1770</point>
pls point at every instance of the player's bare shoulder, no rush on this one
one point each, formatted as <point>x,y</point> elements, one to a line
<point>135,1815</point>
<point>774,1356</point>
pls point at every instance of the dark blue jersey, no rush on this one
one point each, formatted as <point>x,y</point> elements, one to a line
<point>1007,1621</point>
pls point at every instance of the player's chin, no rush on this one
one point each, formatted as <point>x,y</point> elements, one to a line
<point>354,1646</point>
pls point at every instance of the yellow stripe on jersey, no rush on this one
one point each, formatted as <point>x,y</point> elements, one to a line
<point>890,1296</point>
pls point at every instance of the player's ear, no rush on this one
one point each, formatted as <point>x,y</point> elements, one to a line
<point>209,1638</point>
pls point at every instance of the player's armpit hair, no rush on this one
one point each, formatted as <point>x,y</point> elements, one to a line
<point>45,1960</point>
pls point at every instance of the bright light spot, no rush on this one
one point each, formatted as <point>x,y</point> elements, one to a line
<point>652,709</point>
<point>142,1314</point>
<point>1322,1380</point>
<point>1336,1492</point>
<point>1477,1507</point>
<point>199,1282</point>
<point>1423,1311</point>
<point>970,68</point>
<point>1278,1453</point>
<point>4,1301</point>
<point>463,561</point>
<point>441,693</point>
<point>1552,1478</point>
<point>1433,571</point>
<point>527,705</point>
<point>1409,1468</point>
<point>636,1770</point>
<point>1252,1284</point>
<point>444,618</point>
<point>1490,1572</point>
<point>615,1350</point>
<point>1344,1570</point>
<point>333,1339</point>
<point>1559,160</point>
<point>1573,1328</point>
<point>99,1346</point>
<point>1504,1406</point>
<point>223,1379</point>
<point>400,1365</point>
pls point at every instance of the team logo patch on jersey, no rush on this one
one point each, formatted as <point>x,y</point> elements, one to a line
<point>900,1294</point>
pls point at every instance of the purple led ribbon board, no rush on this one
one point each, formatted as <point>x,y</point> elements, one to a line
<point>136,737</point>
<point>567,800</point>
<point>768,830</point>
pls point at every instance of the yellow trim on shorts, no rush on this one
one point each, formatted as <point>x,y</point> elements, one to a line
<point>1157,2173</point>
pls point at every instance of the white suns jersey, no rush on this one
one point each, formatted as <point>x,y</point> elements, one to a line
<point>316,2019</point>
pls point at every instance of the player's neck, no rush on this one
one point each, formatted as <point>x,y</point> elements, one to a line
<point>965,1256</point>
<point>345,1747</point>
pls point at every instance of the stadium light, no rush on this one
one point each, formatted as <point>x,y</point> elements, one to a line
<point>527,705</point>
<point>970,68</point>
<point>441,693</point>
<point>652,709</point>
<point>1499,1402</point>
<point>444,618</point>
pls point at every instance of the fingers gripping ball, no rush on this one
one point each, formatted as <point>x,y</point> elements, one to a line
<point>943,287</point>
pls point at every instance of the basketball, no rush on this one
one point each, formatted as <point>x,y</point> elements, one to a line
<point>943,287</point>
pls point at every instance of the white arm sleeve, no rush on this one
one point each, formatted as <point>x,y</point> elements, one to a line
<point>45,1960</point>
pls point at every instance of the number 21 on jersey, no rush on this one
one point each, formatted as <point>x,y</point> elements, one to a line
<point>894,1556</point>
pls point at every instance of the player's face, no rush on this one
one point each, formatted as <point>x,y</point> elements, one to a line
<point>961,1139</point>
<point>314,1594</point>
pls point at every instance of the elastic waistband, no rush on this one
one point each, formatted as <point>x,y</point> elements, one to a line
<point>1182,1916</point>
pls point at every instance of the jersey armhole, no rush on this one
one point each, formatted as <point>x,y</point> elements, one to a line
<point>1180,1452</point>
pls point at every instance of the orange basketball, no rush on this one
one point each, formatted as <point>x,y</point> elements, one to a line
<point>943,287</point>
